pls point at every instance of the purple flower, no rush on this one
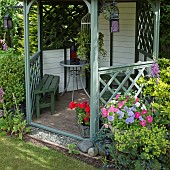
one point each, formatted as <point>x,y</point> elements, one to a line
<point>129,120</point>
<point>155,70</point>
<point>141,118</point>
<point>110,118</point>
<point>121,114</point>
<point>133,108</point>
<point>125,108</point>
<point>130,113</point>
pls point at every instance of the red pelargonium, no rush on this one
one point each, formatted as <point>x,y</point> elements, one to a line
<point>87,114</point>
<point>86,119</point>
<point>80,105</point>
<point>87,109</point>
<point>72,105</point>
<point>83,111</point>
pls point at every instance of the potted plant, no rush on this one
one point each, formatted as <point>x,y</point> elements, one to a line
<point>83,45</point>
<point>83,116</point>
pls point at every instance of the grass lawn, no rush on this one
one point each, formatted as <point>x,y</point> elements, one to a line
<point>20,155</point>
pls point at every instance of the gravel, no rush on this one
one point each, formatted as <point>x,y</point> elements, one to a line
<point>52,137</point>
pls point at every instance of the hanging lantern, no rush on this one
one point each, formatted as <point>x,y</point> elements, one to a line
<point>111,13</point>
<point>114,22</point>
<point>7,20</point>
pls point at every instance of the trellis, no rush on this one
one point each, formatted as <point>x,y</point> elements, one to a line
<point>121,80</point>
<point>61,24</point>
<point>35,76</point>
<point>145,29</point>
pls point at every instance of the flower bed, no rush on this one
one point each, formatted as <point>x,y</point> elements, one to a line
<point>139,142</point>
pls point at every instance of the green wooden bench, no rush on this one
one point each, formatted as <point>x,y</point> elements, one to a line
<point>49,84</point>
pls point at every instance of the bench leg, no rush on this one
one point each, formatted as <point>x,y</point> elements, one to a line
<point>38,105</point>
<point>52,103</point>
<point>57,94</point>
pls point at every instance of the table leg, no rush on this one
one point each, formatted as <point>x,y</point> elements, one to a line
<point>82,83</point>
<point>67,82</point>
<point>73,85</point>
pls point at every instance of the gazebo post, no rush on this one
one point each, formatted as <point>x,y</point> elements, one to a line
<point>27,61</point>
<point>156,9</point>
<point>94,84</point>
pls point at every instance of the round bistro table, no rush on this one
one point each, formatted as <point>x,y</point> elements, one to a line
<point>72,67</point>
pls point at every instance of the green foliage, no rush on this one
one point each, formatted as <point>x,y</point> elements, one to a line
<point>139,149</point>
<point>159,90</point>
<point>72,149</point>
<point>33,30</point>
<point>83,43</point>
<point>142,143</point>
<point>12,76</point>
<point>165,29</point>
<point>12,121</point>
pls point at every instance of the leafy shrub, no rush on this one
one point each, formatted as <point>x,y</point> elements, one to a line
<point>13,122</point>
<point>159,89</point>
<point>139,148</point>
<point>12,76</point>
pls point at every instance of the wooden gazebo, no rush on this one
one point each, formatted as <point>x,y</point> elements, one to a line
<point>137,40</point>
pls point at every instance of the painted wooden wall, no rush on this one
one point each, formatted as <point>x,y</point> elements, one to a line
<point>124,40</point>
<point>123,45</point>
<point>51,65</point>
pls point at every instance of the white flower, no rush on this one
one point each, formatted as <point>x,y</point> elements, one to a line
<point>113,102</point>
<point>143,107</point>
<point>137,104</point>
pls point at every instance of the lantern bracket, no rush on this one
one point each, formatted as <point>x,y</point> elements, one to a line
<point>110,10</point>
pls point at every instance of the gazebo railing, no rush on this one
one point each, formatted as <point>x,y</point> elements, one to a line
<point>121,79</point>
<point>34,76</point>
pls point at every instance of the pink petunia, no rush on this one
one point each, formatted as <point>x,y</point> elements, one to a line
<point>137,115</point>
<point>144,112</point>
<point>106,125</point>
<point>113,109</point>
<point>143,122</point>
<point>149,119</point>
<point>137,99</point>
<point>117,96</point>
<point>121,104</point>
<point>104,112</point>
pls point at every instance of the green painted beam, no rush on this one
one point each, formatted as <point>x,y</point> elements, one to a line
<point>27,61</point>
<point>156,9</point>
<point>94,84</point>
<point>107,70</point>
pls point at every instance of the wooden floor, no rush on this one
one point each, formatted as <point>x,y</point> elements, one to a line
<point>64,118</point>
